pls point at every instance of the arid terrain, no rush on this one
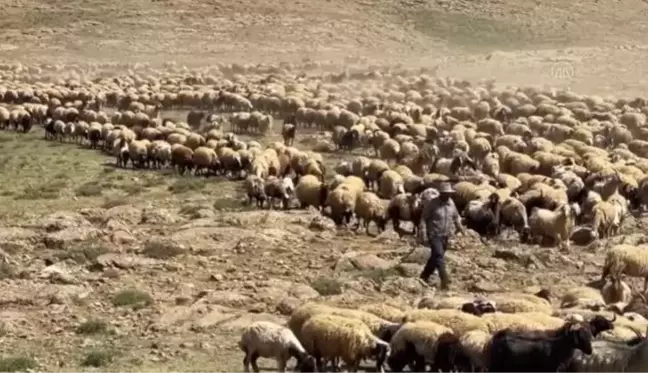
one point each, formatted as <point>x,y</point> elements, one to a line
<point>158,272</point>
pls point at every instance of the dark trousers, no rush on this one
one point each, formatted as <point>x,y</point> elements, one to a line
<point>436,261</point>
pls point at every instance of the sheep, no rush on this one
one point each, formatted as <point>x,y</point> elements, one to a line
<point>269,340</point>
<point>306,311</point>
<point>342,200</point>
<point>405,207</point>
<point>484,217</point>
<point>498,321</point>
<point>330,336</point>
<point>138,153</point>
<point>583,297</point>
<point>439,303</point>
<point>514,214</point>
<point>182,158</point>
<point>159,153</point>
<point>627,259</point>
<point>460,322</point>
<point>419,343</point>
<point>556,225</point>
<point>204,158</point>
<point>510,352</point>
<point>370,208</point>
<point>390,184</point>
<point>474,343</point>
<point>288,133</point>
<point>279,188</point>
<point>479,307</point>
<point>517,303</point>
<point>605,219</point>
<point>122,153</point>
<point>616,291</point>
<point>255,189</point>
<point>385,311</point>
<point>612,356</point>
<point>310,191</point>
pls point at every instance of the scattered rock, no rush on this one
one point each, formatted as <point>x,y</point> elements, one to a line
<point>395,286</point>
<point>121,261</point>
<point>122,237</point>
<point>418,255</point>
<point>127,214</point>
<point>63,239</point>
<point>322,223</point>
<point>517,255</point>
<point>360,261</point>
<point>230,299</point>
<point>158,216</point>
<point>163,248</point>
<point>57,275</point>
<point>13,234</point>
<point>485,287</point>
<point>582,236</point>
<point>409,269</point>
<point>288,305</point>
<point>63,220</point>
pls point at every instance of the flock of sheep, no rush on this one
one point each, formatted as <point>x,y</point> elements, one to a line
<point>553,166</point>
<point>515,332</point>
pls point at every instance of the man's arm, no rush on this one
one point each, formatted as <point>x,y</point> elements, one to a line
<point>457,219</point>
<point>424,218</point>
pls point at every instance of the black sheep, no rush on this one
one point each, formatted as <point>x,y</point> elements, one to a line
<point>484,218</point>
<point>539,351</point>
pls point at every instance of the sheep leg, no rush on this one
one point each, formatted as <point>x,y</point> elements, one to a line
<point>281,364</point>
<point>246,363</point>
<point>253,360</point>
<point>419,364</point>
<point>318,362</point>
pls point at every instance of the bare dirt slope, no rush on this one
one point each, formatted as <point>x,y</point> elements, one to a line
<point>158,272</point>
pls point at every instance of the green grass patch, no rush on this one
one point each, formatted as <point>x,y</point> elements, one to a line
<point>133,298</point>
<point>93,327</point>
<point>98,358</point>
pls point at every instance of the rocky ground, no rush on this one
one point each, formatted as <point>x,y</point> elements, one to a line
<point>117,269</point>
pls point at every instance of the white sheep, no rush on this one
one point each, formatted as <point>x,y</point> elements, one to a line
<point>279,188</point>
<point>629,260</point>
<point>370,208</point>
<point>269,340</point>
<point>557,225</point>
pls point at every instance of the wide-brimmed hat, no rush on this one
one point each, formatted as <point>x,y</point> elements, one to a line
<point>446,188</point>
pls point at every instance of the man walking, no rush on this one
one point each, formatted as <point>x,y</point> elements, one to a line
<point>439,217</point>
